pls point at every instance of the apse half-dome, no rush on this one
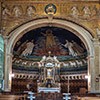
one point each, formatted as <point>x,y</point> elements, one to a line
<point>63,44</point>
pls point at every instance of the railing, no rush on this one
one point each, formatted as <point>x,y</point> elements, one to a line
<point>46,90</point>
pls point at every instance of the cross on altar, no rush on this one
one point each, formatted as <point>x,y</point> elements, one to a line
<point>31,97</point>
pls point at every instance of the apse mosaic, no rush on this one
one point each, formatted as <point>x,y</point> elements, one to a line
<point>40,41</point>
<point>52,41</point>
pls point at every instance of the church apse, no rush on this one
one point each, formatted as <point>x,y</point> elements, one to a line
<point>61,43</point>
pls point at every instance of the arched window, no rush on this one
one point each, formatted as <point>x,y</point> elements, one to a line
<point>1,62</point>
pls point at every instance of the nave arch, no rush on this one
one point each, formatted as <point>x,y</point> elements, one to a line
<point>78,30</point>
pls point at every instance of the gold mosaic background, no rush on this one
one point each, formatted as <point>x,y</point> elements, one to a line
<point>85,13</point>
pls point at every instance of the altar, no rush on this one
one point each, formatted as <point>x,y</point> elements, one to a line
<point>46,90</point>
<point>49,80</point>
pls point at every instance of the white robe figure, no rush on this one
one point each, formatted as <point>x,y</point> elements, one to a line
<point>6,13</point>
<point>29,48</point>
<point>74,12</point>
<point>17,11</point>
<point>87,12</point>
<point>69,45</point>
<point>30,11</point>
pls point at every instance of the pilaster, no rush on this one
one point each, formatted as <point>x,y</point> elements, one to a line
<point>91,83</point>
<point>99,66</point>
<point>96,64</point>
<point>8,67</point>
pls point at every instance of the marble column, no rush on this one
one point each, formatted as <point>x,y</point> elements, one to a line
<point>98,35</point>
